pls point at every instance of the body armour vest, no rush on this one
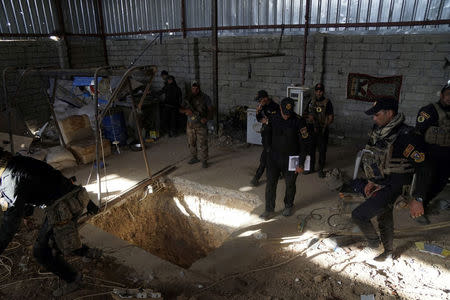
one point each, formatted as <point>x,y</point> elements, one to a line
<point>439,135</point>
<point>318,110</point>
<point>285,140</point>
<point>198,106</point>
<point>378,161</point>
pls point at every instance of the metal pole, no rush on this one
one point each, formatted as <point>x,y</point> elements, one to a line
<point>8,109</point>
<point>138,128</point>
<point>101,24</point>
<point>183,18</point>
<point>97,136</point>
<point>305,40</point>
<point>51,100</point>
<point>62,29</point>
<point>215,63</point>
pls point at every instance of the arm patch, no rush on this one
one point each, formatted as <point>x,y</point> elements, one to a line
<point>418,156</point>
<point>408,150</point>
<point>304,132</point>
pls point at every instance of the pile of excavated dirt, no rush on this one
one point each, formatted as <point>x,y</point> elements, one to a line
<point>157,225</point>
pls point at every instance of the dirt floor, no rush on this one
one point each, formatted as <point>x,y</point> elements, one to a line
<point>263,260</point>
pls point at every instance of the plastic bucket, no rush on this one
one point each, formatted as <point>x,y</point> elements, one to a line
<point>114,127</point>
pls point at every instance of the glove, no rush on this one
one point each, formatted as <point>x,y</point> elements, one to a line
<point>92,209</point>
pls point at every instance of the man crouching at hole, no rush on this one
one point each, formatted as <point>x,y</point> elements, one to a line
<point>393,153</point>
<point>26,183</point>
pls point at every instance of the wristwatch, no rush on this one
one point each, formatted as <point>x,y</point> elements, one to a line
<point>419,199</point>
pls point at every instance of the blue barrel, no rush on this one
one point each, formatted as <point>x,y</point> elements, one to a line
<point>114,127</point>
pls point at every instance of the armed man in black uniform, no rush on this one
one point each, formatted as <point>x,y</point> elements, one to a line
<point>266,108</point>
<point>289,137</point>
<point>320,116</point>
<point>26,183</point>
<point>433,122</point>
<point>392,155</point>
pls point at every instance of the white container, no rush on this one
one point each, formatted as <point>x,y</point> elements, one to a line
<point>253,128</point>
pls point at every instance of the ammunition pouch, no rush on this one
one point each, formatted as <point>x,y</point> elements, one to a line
<point>62,217</point>
<point>378,163</point>
<point>439,135</point>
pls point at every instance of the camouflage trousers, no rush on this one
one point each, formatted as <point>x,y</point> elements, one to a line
<point>197,137</point>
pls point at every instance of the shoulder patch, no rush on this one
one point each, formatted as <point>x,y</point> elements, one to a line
<point>418,156</point>
<point>420,119</point>
<point>408,150</point>
<point>304,132</point>
<point>424,115</point>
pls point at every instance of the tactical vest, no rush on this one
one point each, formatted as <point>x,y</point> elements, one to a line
<point>318,110</point>
<point>378,162</point>
<point>198,107</point>
<point>285,140</point>
<point>62,216</point>
<point>439,135</point>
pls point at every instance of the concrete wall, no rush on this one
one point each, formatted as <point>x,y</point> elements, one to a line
<point>419,58</point>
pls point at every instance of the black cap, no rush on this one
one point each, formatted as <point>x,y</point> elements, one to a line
<point>386,103</point>
<point>445,87</point>
<point>261,94</point>
<point>164,72</point>
<point>170,77</point>
<point>287,106</point>
<point>319,87</point>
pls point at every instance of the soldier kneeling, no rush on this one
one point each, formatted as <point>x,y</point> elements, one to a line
<point>25,183</point>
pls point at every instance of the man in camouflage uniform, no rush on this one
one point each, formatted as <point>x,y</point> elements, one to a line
<point>197,107</point>
<point>26,183</point>
<point>320,116</point>
<point>433,122</point>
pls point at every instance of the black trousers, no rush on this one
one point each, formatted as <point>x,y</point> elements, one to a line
<point>275,166</point>
<point>440,175</point>
<point>50,257</point>
<point>262,164</point>
<point>320,142</point>
<point>170,116</point>
<point>380,205</point>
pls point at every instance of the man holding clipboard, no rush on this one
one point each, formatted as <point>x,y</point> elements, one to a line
<point>289,137</point>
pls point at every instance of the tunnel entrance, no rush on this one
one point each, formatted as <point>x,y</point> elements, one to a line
<point>181,223</point>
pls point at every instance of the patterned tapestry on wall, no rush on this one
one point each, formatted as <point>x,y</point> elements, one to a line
<point>367,88</point>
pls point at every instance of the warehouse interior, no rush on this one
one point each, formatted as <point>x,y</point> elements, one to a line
<point>82,90</point>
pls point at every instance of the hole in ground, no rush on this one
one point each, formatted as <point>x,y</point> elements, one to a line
<point>181,224</point>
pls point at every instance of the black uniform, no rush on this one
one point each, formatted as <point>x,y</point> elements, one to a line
<point>439,156</point>
<point>171,107</point>
<point>26,183</point>
<point>266,111</point>
<point>320,109</point>
<point>288,138</point>
<point>408,149</point>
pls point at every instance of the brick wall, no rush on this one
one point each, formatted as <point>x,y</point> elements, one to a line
<point>30,103</point>
<point>86,52</point>
<point>419,58</point>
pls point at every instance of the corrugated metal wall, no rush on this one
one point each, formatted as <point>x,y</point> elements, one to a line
<point>28,16</point>
<point>39,16</point>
